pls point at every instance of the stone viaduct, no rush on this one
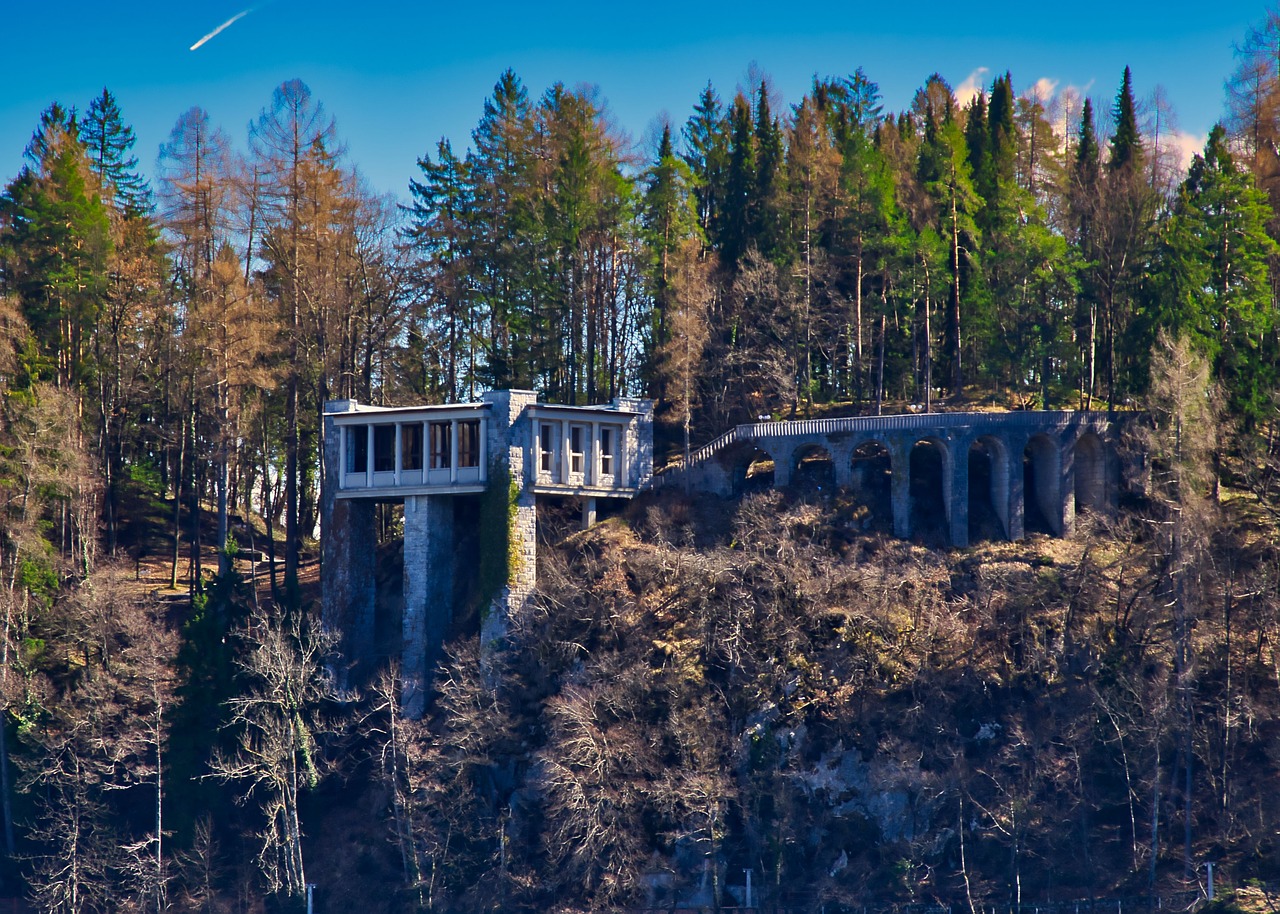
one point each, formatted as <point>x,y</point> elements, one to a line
<point>1051,462</point>
<point>440,462</point>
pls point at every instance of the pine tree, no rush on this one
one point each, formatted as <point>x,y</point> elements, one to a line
<point>852,105</point>
<point>977,137</point>
<point>1125,241</point>
<point>1085,204</point>
<point>1126,141</point>
<point>670,219</point>
<point>55,121</point>
<point>945,175</point>
<point>862,212</point>
<point>737,216</point>
<point>767,230</point>
<point>1213,281</point>
<point>501,169</point>
<point>813,170</point>
<point>55,244</point>
<point>443,337</point>
<point>295,148</point>
<point>707,155</point>
<point>999,177</point>
<point>109,141</point>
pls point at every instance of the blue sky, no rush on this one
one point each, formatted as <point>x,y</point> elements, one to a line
<point>397,76</point>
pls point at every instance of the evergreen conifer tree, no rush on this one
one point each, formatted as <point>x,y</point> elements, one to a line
<point>109,142</point>
<point>1085,201</point>
<point>1212,284</point>
<point>55,241</point>
<point>738,213</point>
<point>670,218</point>
<point>1126,142</point>
<point>767,228</point>
<point>707,155</point>
<point>976,136</point>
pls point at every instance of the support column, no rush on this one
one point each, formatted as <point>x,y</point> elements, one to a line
<point>782,458</point>
<point>842,465</point>
<point>348,557</point>
<point>1016,528</point>
<point>588,512</point>
<point>1067,481</point>
<point>900,467</point>
<point>1000,482</point>
<point>958,496</point>
<point>428,593</point>
<point>453,451</point>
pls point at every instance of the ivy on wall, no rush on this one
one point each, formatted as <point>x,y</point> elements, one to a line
<point>500,563</point>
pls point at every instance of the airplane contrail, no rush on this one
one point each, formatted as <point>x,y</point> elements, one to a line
<point>231,21</point>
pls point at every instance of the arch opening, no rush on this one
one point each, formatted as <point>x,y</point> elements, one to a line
<point>872,487</point>
<point>814,469</point>
<point>751,468</point>
<point>988,490</point>
<point>1041,499</point>
<point>929,515</point>
<point>1089,458</point>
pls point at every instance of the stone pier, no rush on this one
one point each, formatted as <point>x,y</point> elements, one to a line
<point>428,593</point>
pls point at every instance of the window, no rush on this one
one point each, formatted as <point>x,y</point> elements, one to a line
<point>606,451</point>
<point>469,443</point>
<point>384,448</point>
<point>357,448</point>
<point>411,447</point>
<point>546,447</point>
<point>441,446</point>
<point>575,449</point>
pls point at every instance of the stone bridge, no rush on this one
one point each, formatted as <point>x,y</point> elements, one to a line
<point>1014,466</point>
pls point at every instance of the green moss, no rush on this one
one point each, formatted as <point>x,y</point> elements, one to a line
<point>499,561</point>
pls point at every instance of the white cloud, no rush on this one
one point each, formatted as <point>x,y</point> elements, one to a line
<point>974,83</point>
<point>1044,89</point>
<point>1185,146</point>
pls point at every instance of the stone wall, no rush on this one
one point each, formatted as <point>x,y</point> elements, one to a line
<point>639,443</point>
<point>348,556</point>
<point>508,432</point>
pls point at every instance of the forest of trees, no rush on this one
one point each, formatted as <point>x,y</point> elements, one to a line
<point>168,340</point>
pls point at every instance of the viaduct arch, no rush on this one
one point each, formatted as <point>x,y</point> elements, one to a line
<point>1021,467</point>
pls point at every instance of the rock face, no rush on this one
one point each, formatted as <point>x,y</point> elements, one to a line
<point>889,792</point>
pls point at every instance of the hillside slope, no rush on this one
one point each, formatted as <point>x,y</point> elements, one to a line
<point>708,687</point>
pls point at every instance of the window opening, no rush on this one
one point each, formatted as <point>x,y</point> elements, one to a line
<point>441,446</point>
<point>606,451</point>
<point>357,448</point>
<point>546,446</point>
<point>469,443</point>
<point>411,447</point>
<point>384,448</point>
<point>575,449</point>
